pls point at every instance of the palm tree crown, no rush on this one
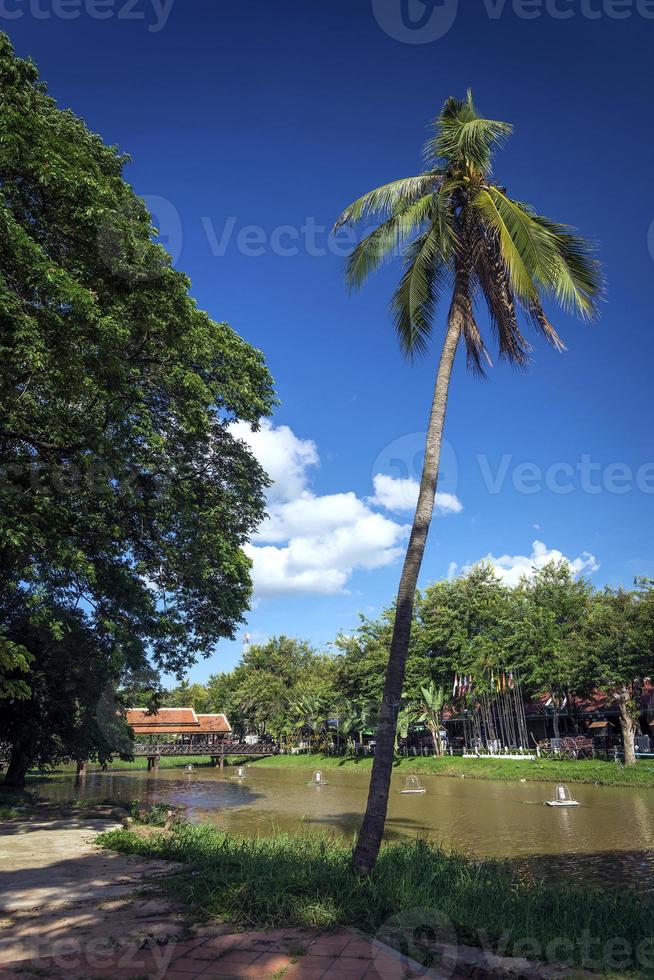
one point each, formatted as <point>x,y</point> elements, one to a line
<point>456,227</point>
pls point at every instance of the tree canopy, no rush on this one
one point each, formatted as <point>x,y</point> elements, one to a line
<point>125,500</point>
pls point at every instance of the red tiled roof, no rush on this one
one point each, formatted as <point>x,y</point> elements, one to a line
<point>214,723</point>
<point>166,721</point>
<point>174,721</point>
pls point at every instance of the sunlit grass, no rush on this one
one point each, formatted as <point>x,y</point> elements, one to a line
<point>308,881</point>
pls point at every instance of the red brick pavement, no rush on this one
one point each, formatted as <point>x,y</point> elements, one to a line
<point>282,954</point>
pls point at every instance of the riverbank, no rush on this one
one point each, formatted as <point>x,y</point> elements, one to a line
<point>594,771</point>
<point>307,882</point>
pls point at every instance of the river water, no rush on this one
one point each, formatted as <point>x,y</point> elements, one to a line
<point>608,840</point>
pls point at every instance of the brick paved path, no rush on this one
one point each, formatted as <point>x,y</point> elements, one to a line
<point>290,954</point>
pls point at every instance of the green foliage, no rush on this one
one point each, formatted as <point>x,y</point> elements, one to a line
<point>560,635</point>
<point>455,224</point>
<point>309,881</point>
<point>14,665</point>
<point>620,645</point>
<point>430,706</point>
<point>124,498</point>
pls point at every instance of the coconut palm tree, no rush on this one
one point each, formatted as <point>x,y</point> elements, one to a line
<point>459,232</point>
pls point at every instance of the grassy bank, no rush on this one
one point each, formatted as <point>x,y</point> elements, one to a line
<point>540,770</point>
<point>307,881</point>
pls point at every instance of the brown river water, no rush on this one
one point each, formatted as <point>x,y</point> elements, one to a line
<point>608,840</point>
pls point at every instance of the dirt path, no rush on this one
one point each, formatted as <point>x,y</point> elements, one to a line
<point>59,892</point>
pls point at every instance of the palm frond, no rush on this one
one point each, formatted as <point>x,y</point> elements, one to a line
<point>539,320</point>
<point>415,300</point>
<point>384,241</point>
<point>463,138</point>
<point>577,281</point>
<point>527,251</point>
<point>385,199</point>
<point>493,280</point>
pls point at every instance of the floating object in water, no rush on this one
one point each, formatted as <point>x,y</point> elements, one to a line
<point>413,785</point>
<point>190,768</point>
<point>239,773</point>
<point>318,779</point>
<point>562,798</point>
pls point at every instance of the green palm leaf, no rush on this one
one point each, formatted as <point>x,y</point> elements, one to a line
<point>385,199</point>
<point>384,242</point>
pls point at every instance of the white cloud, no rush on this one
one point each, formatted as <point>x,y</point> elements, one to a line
<point>402,495</point>
<point>311,543</point>
<point>511,568</point>
<point>284,457</point>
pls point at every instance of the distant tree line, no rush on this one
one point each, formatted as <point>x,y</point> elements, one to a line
<point>564,637</point>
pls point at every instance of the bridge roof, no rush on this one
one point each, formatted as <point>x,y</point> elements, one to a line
<point>214,723</point>
<point>174,721</point>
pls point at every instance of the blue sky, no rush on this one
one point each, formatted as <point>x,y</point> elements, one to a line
<point>276,115</point>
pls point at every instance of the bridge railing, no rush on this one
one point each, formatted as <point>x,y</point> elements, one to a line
<point>206,748</point>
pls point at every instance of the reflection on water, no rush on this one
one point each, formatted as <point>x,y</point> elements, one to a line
<point>609,839</point>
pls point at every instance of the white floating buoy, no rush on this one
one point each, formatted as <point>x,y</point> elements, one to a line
<point>562,798</point>
<point>318,779</point>
<point>413,785</point>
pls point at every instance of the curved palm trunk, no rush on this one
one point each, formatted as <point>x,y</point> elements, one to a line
<point>372,829</point>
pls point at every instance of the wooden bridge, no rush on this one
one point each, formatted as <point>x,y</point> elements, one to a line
<point>216,751</point>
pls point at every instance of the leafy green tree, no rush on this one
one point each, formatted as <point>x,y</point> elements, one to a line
<point>308,711</point>
<point>71,706</point>
<point>457,226</point>
<point>188,695</point>
<point>552,610</point>
<point>125,500</point>
<point>468,624</point>
<point>620,635</point>
<point>14,665</point>
<point>431,704</point>
<point>260,696</point>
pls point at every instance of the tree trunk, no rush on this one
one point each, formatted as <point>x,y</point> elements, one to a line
<point>372,828</point>
<point>19,764</point>
<point>628,726</point>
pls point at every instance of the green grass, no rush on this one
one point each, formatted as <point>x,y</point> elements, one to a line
<point>541,770</point>
<point>308,881</point>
